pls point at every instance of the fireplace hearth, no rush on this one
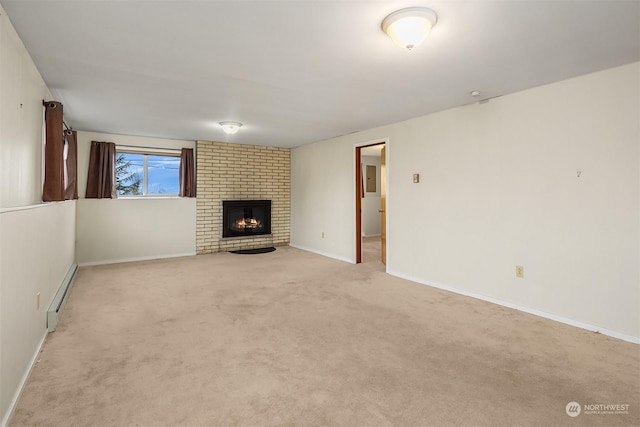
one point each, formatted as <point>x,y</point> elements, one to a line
<point>246,218</point>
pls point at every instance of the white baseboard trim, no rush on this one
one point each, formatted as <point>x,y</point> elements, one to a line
<point>328,255</point>
<point>23,381</point>
<point>55,309</point>
<point>144,258</point>
<point>536,312</point>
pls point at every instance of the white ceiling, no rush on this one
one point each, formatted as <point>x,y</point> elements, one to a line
<point>295,72</point>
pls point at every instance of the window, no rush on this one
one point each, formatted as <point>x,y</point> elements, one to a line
<point>147,174</point>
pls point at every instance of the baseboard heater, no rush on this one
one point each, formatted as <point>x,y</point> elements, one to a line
<point>55,309</point>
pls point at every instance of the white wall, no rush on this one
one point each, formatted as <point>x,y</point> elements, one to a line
<point>322,198</point>
<point>371,201</point>
<point>36,240</point>
<point>21,121</point>
<point>115,230</point>
<point>128,229</point>
<point>36,251</point>
<point>498,188</point>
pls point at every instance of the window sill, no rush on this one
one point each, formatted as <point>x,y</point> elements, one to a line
<point>149,197</point>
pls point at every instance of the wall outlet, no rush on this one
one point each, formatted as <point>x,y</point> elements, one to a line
<point>416,178</point>
<point>519,271</point>
<point>38,301</point>
<point>323,234</point>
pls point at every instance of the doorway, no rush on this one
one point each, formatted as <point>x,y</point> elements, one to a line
<point>370,194</point>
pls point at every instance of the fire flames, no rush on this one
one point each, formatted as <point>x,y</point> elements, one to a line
<point>248,223</point>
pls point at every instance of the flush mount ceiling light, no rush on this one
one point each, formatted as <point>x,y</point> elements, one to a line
<point>409,27</point>
<point>230,128</point>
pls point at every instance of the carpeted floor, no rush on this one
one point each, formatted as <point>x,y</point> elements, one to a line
<point>292,338</point>
<point>371,250</point>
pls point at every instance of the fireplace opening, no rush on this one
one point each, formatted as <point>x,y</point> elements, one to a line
<point>246,217</point>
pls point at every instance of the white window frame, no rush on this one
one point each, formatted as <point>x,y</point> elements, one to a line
<point>145,152</point>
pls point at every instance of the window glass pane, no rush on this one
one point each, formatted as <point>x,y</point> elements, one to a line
<point>129,173</point>
<point>163,174</point>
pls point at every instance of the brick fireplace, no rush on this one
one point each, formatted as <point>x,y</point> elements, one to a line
<point>234,172</point>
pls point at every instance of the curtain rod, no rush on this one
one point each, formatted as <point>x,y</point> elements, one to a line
<point>44,104</point>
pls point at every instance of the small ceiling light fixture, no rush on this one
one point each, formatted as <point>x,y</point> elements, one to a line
<point>409,27</point>
<point>475,93</point>
<point>230,128</point>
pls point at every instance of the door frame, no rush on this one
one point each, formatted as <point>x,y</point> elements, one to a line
<point>357,183</point>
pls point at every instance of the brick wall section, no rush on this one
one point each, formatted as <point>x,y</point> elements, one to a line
<point>237,172</point>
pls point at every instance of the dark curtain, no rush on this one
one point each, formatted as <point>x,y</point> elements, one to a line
<point>101,177</point>
<point>187,173</point>
<point>71,190</point>
<point>53,189</point>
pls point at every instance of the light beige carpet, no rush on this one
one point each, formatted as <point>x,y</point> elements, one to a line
<point>371,250</point>
<point>292,338</point>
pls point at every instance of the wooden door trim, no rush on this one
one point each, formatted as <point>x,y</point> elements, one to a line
<point>358,193</point>
<point>358,205</point>
<point>383,205</point>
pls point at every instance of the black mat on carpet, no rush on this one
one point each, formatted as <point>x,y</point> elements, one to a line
<point>254,251</point>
